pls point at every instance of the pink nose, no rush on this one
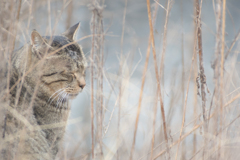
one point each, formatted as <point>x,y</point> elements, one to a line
<point>82,82</point>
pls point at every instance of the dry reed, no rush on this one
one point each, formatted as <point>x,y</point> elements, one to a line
<point>137,109</point>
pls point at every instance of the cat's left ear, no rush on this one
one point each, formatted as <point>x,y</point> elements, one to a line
<point>71,33</point>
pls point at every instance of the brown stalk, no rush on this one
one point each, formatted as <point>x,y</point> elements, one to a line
<point>179,140</point>
<point>217,66</point>
<point>162,62</point>
<point>97,44</point>
<point>183,75</point>
<point>13,30</point>
<point>222,69</point>
<point>195,153</point>
<point>120,71</point>
<point>169,2</point>
<point>143,82</point>
<point>100,42</point>
<point>156,98</point>
<point>232,44</point>
<point>195,86</point>
<point>223,46</point>
<point>30,13</point>
<point>140,97</point>
<point>92,85</point>
<point>101,77</point>
<point>187,134</point>
<point>219,132</point>
<point>202,74</point>
<point>185,102</point>
<point>69,14</point>
<point>151,41</point>
<point>200,54</point>
<point>197,117</point>
<point>49,17</point>
<point>17,20</point>
<point>154,123</point>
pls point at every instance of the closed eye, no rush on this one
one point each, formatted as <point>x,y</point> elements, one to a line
<point>47,75</point>
<point>74,76</point>
<point>53,78</point>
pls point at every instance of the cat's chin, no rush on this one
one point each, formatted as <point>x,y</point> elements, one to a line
<point>72,96</point>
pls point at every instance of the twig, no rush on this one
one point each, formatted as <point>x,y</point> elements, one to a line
<point>195,78</point>
<point>196,127</point>
<point>92,84</point>
<point>222,69</point>
<point>162,62</point>
<point>222,129</point>
<point>217,61</point>
<point>17,19</point>
<point>185,104</point>
<point>157,94</point>
<point>140,97</point>
<point>200,53</point>
<point>69,14</point>
<point>232,45</point>
<point>120,71</point>
<point>202,74</point>
<point>169,3</point>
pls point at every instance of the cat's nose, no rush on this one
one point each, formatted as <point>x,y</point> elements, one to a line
<point>82,83</point>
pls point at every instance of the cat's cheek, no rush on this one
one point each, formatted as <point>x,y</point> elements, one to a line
<point>57,86</point>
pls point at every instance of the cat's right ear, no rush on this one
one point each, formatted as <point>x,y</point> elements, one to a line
<point>38,42</point>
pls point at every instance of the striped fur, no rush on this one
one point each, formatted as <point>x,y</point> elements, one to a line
<point>52,71</point>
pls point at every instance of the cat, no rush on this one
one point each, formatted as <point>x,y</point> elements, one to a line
<point>45,74</point>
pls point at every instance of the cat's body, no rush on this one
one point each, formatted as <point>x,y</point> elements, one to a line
<point>51,71</point>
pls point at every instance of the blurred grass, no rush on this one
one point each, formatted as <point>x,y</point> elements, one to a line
<point>121,114</point>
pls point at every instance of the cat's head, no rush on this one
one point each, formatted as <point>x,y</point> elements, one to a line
<point>63,69</point>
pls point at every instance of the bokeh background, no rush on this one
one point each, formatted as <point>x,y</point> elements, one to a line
<point>125,31</point>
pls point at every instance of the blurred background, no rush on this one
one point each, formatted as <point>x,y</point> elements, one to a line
<point>114,36</point>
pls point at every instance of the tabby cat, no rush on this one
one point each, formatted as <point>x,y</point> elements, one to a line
<point>45,74</point>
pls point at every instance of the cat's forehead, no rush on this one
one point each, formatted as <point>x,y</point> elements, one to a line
<point>73,51</point>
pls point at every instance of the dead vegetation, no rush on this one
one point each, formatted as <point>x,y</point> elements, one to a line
<point>163,78</point>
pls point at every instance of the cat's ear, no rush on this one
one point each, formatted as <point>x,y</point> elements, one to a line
<point>72,32</point>
<point>39,44</point>
<point>37,40</point>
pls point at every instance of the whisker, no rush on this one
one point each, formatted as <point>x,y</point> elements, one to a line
<point>55,93</point>
<point>57,96</point>
<point>64,99</point>
<point>67,101</point>
<point>60,101</point>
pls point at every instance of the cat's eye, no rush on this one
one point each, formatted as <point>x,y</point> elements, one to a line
<point>71,77</point>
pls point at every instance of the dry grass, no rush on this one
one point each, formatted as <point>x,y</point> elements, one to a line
<point>151,92</point>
